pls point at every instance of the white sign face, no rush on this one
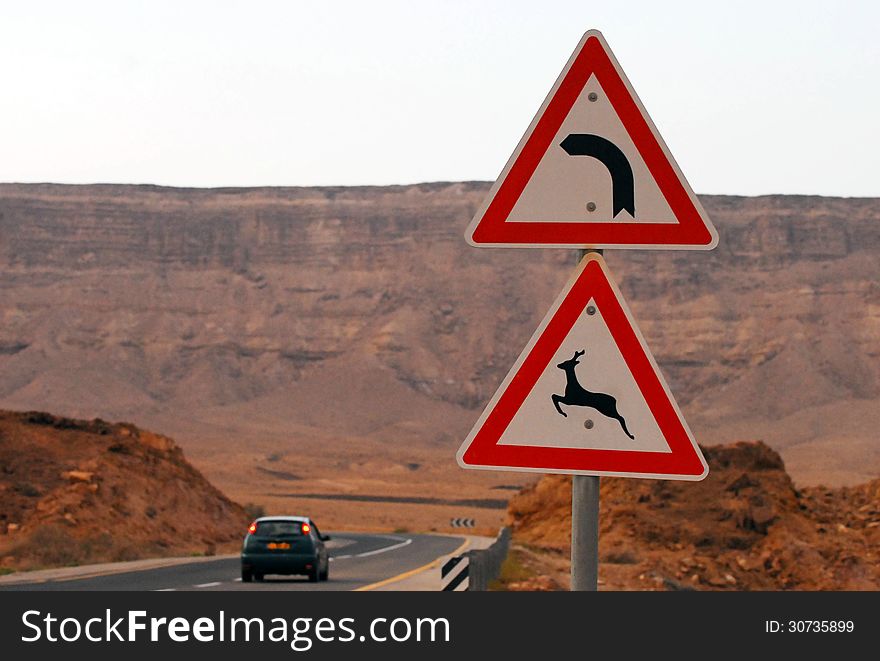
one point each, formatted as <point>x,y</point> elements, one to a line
<point>562,185</point>
<point>601,371</point>
<point>592,171</point>
<point>585,396</point>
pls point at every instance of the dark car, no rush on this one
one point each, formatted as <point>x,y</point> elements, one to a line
<point>284,545</point>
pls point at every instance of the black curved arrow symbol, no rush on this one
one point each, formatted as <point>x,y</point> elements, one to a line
<point>622,187</point>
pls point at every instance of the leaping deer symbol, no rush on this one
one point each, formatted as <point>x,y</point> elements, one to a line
<point>577,395</point>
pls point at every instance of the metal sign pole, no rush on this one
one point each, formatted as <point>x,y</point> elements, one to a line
<point>584,533</point>
<point>585,523</point>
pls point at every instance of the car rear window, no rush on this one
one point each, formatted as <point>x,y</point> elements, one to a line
<point>278,528</point>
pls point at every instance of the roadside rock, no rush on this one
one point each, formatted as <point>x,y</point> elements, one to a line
<point>745,527</point>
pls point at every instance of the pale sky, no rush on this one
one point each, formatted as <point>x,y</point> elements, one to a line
<point>751,97</point>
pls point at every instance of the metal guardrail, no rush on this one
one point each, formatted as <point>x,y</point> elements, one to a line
<point>485,564</point>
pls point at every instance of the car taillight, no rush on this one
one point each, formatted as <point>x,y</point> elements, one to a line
<point>252,528</point>
<point>306,528</point>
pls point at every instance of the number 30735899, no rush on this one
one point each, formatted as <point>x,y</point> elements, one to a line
<point>809,626</point>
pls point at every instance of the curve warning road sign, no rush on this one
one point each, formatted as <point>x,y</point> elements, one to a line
<point>592,171</point>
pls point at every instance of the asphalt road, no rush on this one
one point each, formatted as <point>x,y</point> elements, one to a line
<point>357,560</point>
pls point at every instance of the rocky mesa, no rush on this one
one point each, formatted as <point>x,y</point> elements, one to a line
<point>349,336</point>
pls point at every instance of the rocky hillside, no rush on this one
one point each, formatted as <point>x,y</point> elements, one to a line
<point>746,527</point>
<point>248,322</point>
<point>75,492</point>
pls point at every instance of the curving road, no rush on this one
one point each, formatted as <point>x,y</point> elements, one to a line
<point>358,560</point>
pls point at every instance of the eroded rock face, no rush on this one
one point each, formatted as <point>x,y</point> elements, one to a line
<point>139,302</point>
<point>82,491</point>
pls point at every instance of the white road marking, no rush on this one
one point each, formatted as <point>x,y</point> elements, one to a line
<point>237,580</point>
<point>207,585</point>
<point>403,543</point>
<point>166,590</point>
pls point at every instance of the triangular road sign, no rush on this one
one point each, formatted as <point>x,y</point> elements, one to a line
<point>585,396</point>
<point>592,171</point>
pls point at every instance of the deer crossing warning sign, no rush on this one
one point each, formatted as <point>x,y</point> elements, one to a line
<point>592,171</point>
<point>585,396</point>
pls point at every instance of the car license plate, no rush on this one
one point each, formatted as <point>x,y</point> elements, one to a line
<point>278,546</point>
